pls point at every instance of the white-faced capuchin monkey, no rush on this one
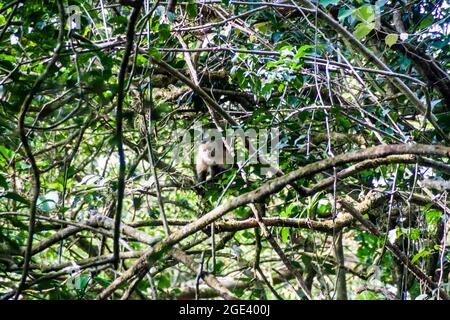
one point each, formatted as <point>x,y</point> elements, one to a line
<point>211,158</point>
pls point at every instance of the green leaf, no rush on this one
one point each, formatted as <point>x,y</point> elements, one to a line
<point>164,32</point>
<point>56,186</point>
<point>443,120</point>
<point>3,182</point>
<point>391,39</point>
<point>102,281</point>
<point>285,235</point>
<point>6,152</point>
<point>344,13</point>
<point>15,196</point>
<point>163,282</point>
<point>286,51</point>
<point>172,16</point>
<point>323,207</point>
<point>302,51</point>
<point>365,14</point>
<point>367,295</point>
<point>263,26</point>
<point>433,216</point>
<point>154,53</point>
<point>288,211</point>
<point>414,234</point>
<point>423,253</point>
<point>426,22</point>
<point>192,10</point>
<point>363,29</point>
<point>81,282</point>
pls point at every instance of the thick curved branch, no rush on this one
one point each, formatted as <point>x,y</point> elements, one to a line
<point>24,140</point>
<point>266,190</point>
<point>119,126</point>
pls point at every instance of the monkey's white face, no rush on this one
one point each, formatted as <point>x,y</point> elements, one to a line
<point>212,153</point>
<point>211,158</point>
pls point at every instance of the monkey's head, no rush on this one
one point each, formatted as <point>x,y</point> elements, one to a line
<point>208,150</point>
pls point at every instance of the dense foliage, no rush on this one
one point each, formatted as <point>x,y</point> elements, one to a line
<point>97,201</point>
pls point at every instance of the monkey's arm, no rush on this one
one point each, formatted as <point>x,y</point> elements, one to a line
<point>202,170</point>
<point>217,169</point>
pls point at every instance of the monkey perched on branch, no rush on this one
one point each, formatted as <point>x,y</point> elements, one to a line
<point>212,156</point>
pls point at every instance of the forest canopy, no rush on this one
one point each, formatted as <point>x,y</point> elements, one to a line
<point>333,117</point>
